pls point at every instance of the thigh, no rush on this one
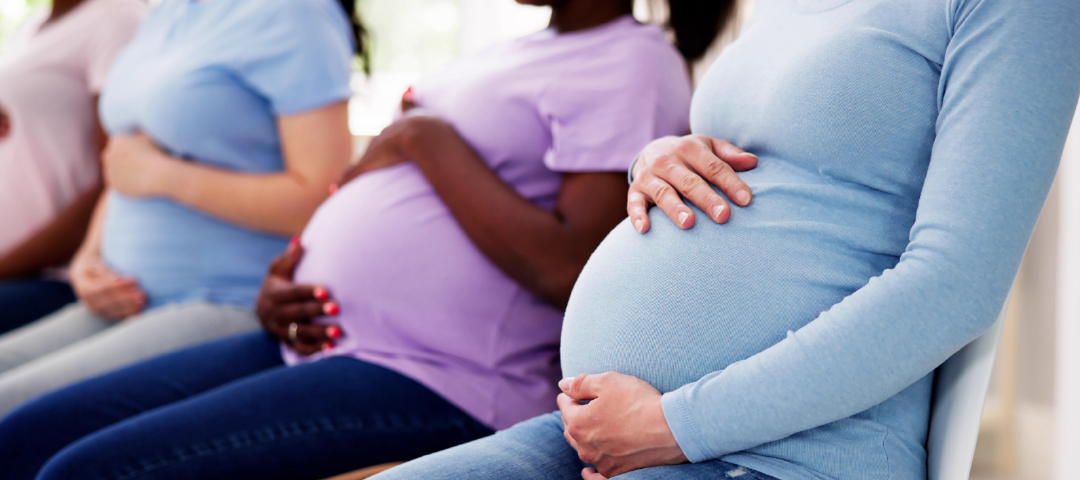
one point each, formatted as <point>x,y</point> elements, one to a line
<point>48,335</point>
<point>37,430</point>
<point>533,449</point>
<point>309,421</point>
<point>145,336</point>
<point>23,301</point>
<point>711,470</point>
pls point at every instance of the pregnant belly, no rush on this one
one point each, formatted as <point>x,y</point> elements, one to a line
<point>671,306</point>
<point>409,281</point>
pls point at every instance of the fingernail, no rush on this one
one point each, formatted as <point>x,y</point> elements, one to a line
<point>564,383</point>
<point>294,242</point>
<point>682,217</point>
<point>717,210</point>
<point>743,197</point>
<point>333,188</point>
<point>333,331</point>
<point>637,225</point>
<point>331,308</point>
<point>320,293</point>
<point>327,346</point>
<point>750,154</point>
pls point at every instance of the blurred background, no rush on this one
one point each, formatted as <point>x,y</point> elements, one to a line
<point>1033,410</point>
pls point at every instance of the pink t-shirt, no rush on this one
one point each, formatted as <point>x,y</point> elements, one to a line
<point>416,294</point>
<point>49,77</point>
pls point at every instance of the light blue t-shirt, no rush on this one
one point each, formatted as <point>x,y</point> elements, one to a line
<point>906,148</point>
<point>206,81</point>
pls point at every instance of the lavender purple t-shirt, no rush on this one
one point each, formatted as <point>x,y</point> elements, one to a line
<point>416,294</point>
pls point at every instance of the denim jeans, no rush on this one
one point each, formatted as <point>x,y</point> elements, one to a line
<point>74,344</point>
<point>230,409</point>
<point>536,450</point>
<point>25,300</point>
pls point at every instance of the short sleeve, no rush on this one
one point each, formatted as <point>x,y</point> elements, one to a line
<point>118,26</point>
<point>304,59</point>
<point>602,117</point>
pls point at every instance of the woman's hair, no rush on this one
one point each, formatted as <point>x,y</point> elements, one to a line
<point>696,23</point>
<point>359,33</point>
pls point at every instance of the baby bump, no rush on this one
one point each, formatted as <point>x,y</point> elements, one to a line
<point>403,271</point>
<point>671,306</point>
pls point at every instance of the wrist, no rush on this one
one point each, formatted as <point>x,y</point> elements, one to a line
<point>163,175</point>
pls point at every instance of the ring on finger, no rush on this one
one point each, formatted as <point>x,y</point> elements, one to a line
<point>293,327</point>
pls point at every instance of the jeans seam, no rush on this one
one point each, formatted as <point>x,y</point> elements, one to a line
<point>276,437</point>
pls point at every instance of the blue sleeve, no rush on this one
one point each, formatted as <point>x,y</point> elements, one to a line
<point>305,56</point>
<point>1008,92</point>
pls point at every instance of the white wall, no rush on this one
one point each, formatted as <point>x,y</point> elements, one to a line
<point>1067,378</point>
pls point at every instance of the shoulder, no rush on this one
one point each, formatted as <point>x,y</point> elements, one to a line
<point>642,52</point>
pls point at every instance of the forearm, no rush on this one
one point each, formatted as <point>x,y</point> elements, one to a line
<point>541,250</point>
<point>280,202</point>
<point>56,243</point>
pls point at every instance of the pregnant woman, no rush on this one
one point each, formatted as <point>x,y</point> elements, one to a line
<point>51,72</point>
<point>447,274</point>
<point>227,123</point>
<point>906,149</point>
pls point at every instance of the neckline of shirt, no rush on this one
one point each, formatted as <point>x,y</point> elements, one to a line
<point>815,6</point>
<point>550,33</point>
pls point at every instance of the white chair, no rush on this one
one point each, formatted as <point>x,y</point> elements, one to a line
<point>956,411</point>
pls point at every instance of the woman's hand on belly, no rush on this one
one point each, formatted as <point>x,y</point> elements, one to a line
<point>287,309</point>
<point>673,166</point>
<point>621,429</point>
<point>135,166</point>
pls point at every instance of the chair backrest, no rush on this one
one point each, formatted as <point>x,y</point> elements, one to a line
<point>960,386</point>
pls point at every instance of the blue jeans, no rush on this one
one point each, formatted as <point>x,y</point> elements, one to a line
<point>536,450</point>
<point>23,301</point>
<point>230,409</point>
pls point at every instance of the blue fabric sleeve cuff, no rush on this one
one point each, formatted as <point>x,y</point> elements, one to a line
<point>687,434</point>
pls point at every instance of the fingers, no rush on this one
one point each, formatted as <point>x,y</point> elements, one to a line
<point>116,298</point>
<point>583,387</point>
<point>282,291</point>
<point>739,159</point>
<point>721,171</point>
<point>664,196</point>
<point>591,474</point>
<point>300,312</point>
<point>637,207</point>
<point>695,189</point>
<point>285,264</point>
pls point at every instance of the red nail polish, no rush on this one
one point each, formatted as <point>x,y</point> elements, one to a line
<point>333,188</point>
<point>331,308</point>
<point>320,293</point>
<point>294,242</point>
<point>327,346</point>
<point>333,331</point>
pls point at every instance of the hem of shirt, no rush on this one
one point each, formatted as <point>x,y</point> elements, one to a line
<point>313,102</point>
<point>769,466</point>
<point>686,433</point>
<point>591,163</point>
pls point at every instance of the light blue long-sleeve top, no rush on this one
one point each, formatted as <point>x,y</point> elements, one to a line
<point>906,148</point>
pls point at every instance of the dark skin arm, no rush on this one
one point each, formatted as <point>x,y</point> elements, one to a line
<point>543,251</point>
<point>55,243</point>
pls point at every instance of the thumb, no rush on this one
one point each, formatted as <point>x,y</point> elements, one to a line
<point>581,387</point>
<point>738,158</point>
<point>285,265</point>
